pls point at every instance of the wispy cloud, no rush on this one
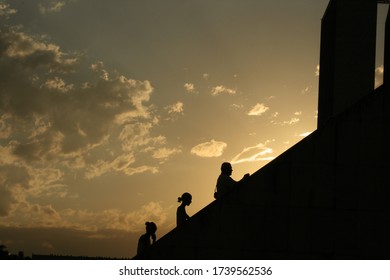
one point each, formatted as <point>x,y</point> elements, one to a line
<point>164,153</point>
<point>51,6</point>
<point>136,136</point>
<point>258,110</point>
<point>5,126</point>
<point>51,128</point>
<point>293,120</point>
<point>209,149</point>
<point>237,106</point>
<point>85,220</point>
<point>6,11</point>
<point>218,90</point>
<point>119,164</point>
<point>290,122</point>
<point>259,152</point>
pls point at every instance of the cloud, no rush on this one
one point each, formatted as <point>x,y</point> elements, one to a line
<point>137,135</point>
<point>120,163</point>
<point>176,108</point>
<point>6,11</point>
<point>222,90</point>
<point>206,76</point>
<point>379,76</point>
<point>237,106</point>
<point>141,169</point>
<point>47,216</point>
<point>5,126</point>
<point>259,152</point>
<point>258,110</point>
<point>51,7</point>
<point>209,149</point>
<point>190,88</point>
<point>98,67</point>
<point>164,153</point>
<point>317,72</point>
<point>45,181</point>
<point>52,127</point>
<point>13,186</point>
<point>33,53</point>
<point>291,121</point>
<point>57,83</point>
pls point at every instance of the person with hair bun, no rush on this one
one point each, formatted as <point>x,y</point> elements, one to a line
<point>181,215</point>
<point>144,241</point>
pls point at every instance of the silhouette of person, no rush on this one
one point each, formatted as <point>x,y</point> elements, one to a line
<point>181,215</point>
<point>225,183</point>
<point>144,241</point>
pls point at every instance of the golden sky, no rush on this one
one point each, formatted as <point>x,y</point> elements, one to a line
<point>110,110</point>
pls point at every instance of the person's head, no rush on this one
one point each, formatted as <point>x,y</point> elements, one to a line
<point>151,228</point>
<point>226,168</point>
<point>186,198</point>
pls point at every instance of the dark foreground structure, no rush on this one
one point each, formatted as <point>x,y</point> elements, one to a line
<point>327,197</point>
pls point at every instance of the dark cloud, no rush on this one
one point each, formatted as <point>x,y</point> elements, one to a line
<point>77,117</point>
<point>12,181</point>
<point>51,125</point>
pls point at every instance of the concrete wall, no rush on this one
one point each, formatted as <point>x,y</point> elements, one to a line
<point>328,197</point>
<point>386,64</point>
<point>347,59</point>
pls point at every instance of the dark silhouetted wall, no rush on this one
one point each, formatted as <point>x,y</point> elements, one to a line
<point>386,77</point>
<point>347,59</point>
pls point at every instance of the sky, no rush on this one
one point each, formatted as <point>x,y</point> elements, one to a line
<point>110,110</point>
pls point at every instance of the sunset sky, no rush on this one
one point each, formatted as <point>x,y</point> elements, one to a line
<point>110,110</point>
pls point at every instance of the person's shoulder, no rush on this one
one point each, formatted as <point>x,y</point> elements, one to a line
<point>223,176</point>
<point>143,237</point>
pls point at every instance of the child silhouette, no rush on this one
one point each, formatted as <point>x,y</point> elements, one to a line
<point>144,241</point>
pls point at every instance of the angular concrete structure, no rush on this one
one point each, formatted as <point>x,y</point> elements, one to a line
<point>327,197</point>
<point>386,64</point>
<point>347,59</point>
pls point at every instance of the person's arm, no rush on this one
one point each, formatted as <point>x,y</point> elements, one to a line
<point>243,179</point>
